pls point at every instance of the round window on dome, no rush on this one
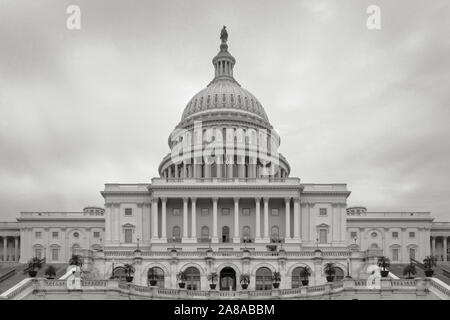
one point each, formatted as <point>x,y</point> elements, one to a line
<point>374,234</point>
<point>76,234</point>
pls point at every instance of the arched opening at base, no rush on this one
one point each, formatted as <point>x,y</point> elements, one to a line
<point>227,279</point>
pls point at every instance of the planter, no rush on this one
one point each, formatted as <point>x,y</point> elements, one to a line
<point>410,278</point>
<point>429,273</point>
<point>305,282</point>
<point>244,286</point>
<point>153,283</point>
<point>276,285</point>
<point>181,285</point>
<point>330,278</point>
<point>212,286</point>
<point>32,273</point>
<point>50,278</point>
<point>129,278</point>
<point>384,273</point>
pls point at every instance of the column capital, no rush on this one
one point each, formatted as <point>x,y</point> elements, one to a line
<point>140,205</point>
<point>185,199</point>
<point>287,199</point>
<point>215,199</point>
<point>193,199</point>
<point>236,199</point>
<point>296,199</point>
<point>163,199</point>
<point>155,199</point>
<point>266,199</point>
<point>257,199</point>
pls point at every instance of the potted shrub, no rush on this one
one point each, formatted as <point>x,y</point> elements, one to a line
<point>244,280</point>
<point>305,273</point>
<point>33,265</point>
<point>429,262</point>
<point>76,260</point>
<point>213,278</point>
<point>276,279</point>
<point>181,277</point>
<point>152,280</point>
<point>129,271</point>
<point>409,270</point>
<point>384,263</point>
<point>330,271</point>
<point>50,272</point>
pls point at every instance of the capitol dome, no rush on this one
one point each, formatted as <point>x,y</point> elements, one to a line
<point>224,94</point>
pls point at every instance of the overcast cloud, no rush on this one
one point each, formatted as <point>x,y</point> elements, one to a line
<point>94,106</point>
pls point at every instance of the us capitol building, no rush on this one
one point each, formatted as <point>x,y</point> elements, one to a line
<point>224,202</point>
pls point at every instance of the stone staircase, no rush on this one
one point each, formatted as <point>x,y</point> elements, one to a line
<point>19,274</point>
<point>439,272</point>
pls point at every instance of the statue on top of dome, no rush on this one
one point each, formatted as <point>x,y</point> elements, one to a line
<point>224,34</point>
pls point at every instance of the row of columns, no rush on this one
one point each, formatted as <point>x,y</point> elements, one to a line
<point>222,171</point>
<point>5,248</point>
<point>444,246</point>
<point>156,237</point>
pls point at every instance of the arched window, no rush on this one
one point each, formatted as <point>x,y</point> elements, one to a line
<point>205,233</point>
<point>156,274</point>
<point>192,278</point>
<point>119,273</point>
<point>275,233</point>
<point>176,233</point>
<point>225,234</point>
<point>246,234</point>
<point>263,279</point>
<point>297,277</point>
<point>75,247</point>
<point>339,275</point>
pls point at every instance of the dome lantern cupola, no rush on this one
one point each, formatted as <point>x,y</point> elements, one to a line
<point>223,62</point>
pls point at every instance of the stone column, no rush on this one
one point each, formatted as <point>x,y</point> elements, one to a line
<point>236,238</point>
<point>155,235</point>
<point>215,239</point>
<point>287,232</point>
<point>5,248</point>
<point>163,220</point>
<point>444,239</point>
<point>194,219</point>
<point>297,219</point>
<point>16,248</point>
<point>139,224</point>
<point>433,246</point>
<point>266,218</point>
<point>185,218</point>
<point>258,220</point>
<point>108,224</point>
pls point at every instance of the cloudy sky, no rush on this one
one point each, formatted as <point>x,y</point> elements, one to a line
<point>80,108</point>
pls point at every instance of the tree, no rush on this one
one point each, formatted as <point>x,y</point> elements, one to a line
<point>75,260</point>
<point>50,272</point>
<point>330,271</point>
<point>213,277</point>
<point>409,270</point>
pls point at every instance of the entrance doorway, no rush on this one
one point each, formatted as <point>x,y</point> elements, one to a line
<point>225,234</point>
<point>227,279</point>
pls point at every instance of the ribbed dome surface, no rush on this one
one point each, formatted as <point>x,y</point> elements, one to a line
<point>224,94</point>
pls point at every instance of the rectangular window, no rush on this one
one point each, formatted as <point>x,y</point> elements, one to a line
<point>245,211</point>
<point>323,211</point>
<point>128,211</point>
<point>395,254</point>
<point>175,211</point>
<point>274,212</point>
<point>353,234</point>
<point>412,234</point>
<point>55,256</point>
<point>225,211</point>
<point>395,234</point>
<point>205,211</point>
<point>323,236</point>
<point>55,235</point>
<point>38,253</point>
<point>38,235</point>
<point>128,236</point>
<point>96,234</point>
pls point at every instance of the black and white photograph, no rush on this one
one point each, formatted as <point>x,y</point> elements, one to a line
<point>224,156</point>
